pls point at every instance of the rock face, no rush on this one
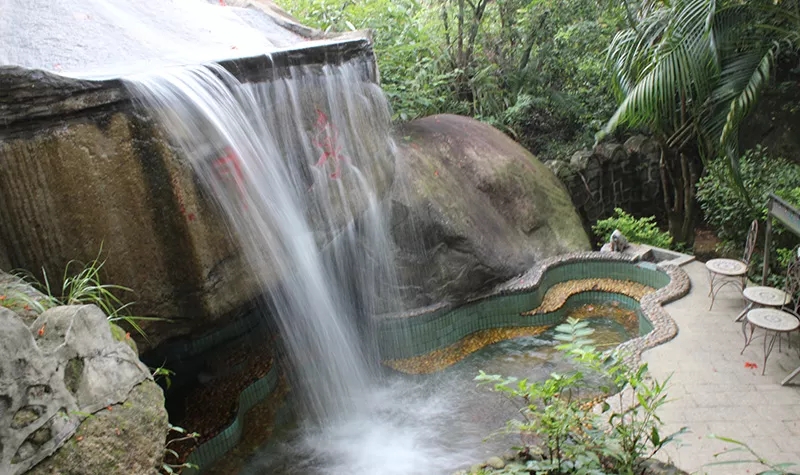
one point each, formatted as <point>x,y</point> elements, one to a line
<point>112,181</point>
<point>471,207</point>
<point>82,167</point>
<point>55,374</point>
<point>123,439</point>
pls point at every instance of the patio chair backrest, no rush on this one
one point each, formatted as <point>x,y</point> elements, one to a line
<point>792,286</point>
<point>750,244</point>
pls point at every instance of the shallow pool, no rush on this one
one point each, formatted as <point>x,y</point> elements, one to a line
<point>430,424</point>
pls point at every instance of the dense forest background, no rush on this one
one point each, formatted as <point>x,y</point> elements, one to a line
<point>535,69</point>
<point>561,75</point>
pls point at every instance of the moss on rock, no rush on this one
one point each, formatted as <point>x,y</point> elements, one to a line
<point>120,334</point>
<point>123,439</point>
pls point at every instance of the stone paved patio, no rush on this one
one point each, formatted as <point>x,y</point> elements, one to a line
<point>714,392</point>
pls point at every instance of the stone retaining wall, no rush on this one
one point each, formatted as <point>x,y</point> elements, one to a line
<point>612,176</point>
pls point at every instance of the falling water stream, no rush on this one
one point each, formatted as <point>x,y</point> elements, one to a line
<point>297,165</point>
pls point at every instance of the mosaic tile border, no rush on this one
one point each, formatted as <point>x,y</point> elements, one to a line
<point>212,450</point>
<point>422,331</point>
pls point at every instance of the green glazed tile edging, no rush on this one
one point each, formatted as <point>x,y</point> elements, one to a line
<point>213,449</point>
<point>413,334</point>
<point>428,338</point>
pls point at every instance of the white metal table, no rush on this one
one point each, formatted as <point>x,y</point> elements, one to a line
<point>722,272</point>
<point>761,296</point>
<point>772,321</point>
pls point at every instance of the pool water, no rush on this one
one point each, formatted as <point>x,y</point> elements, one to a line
<point>431,424</point>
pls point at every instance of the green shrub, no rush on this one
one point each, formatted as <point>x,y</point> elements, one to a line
<point>574,439</point>
<point>409,52</point>
<point>536,70</point>
<point>81,284</point>
<point>639,230</point>
<point>729,213</point>
<point>725,209</point>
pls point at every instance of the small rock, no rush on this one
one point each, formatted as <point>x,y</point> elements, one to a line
<point>476,468</point>
<point>495,462</point>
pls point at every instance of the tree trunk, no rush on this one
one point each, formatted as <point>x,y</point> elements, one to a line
<point>679,175</point>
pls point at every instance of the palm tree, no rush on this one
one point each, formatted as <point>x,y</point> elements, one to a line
<point>691,71</point>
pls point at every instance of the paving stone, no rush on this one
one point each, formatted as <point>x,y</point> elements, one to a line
<point>731,399</point>
<point>788,443</point>
<point>712,399</point>
<point>730,428</point>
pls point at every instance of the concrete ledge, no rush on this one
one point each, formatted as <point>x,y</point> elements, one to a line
<point>35,96</point>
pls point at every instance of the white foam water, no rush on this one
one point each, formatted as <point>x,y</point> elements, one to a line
<point>295,164</point>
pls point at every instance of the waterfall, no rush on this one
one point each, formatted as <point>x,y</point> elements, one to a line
<point>296,164</point>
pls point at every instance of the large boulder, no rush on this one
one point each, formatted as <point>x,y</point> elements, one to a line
<point>471,207</point>
<point>122,439</point>
<point>67,388</point>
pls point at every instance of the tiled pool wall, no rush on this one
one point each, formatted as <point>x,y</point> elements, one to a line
<point>213,449</point>
<point>502,307</point>
<point>406,336</point>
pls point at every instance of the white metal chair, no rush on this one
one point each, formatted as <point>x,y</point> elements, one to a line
<point>722,272</point>
<point>780,319</point>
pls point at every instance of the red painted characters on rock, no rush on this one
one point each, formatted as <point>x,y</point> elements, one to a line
<point>228,168</point>
<point>326,139</point>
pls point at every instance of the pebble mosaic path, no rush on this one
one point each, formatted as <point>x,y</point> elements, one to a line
<point>438,360</point>
<point>715,390</point>
<point>558,294</point>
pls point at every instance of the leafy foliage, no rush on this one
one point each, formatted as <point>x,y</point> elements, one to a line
<point>81,287</point>
<point>691,71</point>
<point>570,436</point>
<point>741,447</point>
<point>413,71</point>
<point>532,68</point>
<point>730,215</point>
<point>641,230</point>
<point>727,212</point>
<point>178,434</point>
